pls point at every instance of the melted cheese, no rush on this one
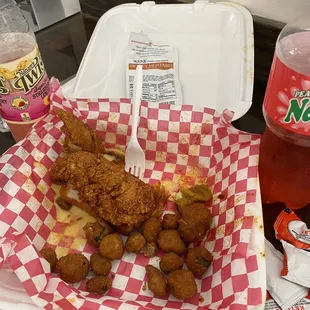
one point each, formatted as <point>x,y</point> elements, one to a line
<point>73,222</point>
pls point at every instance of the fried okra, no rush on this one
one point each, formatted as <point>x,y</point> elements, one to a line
<point>156,281</point>
<point>73,267</point>
<point>198,260</point>
<point>125,229</point>
<point>100,265</point>
<point>111,247</point>
<point>135,243</point>
<point>182,284</point>
<point>171,221</point>
<point>196,220</point>
<point>94,232</point>
<point>150,249</point>
<point>151,228</point>
<point>170,241</point>
<point>99,285</point>
<point>50,255</point>
<point>170,262</point>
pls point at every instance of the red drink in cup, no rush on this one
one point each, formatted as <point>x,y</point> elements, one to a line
<point>284,165</point>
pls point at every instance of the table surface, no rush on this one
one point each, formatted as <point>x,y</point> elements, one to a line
<point>67,41</point>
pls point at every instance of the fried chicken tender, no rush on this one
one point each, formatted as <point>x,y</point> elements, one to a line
<point>151,229</point>
<point>135,243</point>
<point>109,192</point>
<point>100,265</point>
<point>99,285</point>
<point>73,267</point>
<point>156,281</point>
<point>50,255</point>
<point>111,247</point>
<point>198,260</point>
<point>182,284</point>
<point>171,221</point>
<point>196,220</point>
<point>161,196</point>
<point>78,135</point>
<point>170,241</point>
<point>170,262</point>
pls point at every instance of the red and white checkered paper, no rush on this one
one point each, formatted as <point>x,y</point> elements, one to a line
<point>185,144</point>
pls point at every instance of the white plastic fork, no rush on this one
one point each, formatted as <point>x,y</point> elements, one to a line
<point>134,156</point>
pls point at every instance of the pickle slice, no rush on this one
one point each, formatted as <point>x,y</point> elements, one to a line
<point>197,193</point>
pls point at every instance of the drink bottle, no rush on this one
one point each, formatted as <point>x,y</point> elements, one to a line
<point>24,84</point>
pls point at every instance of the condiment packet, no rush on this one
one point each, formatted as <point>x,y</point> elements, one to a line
<point>285,293</point>
<point>303,304</point>
<point>270,304</point>
<point>295,265</point>
<point>160,70</point>
<point>291,228</point>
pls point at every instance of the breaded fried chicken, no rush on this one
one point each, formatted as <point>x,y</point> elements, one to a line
<point>79,136</point>
<point>111,193</point>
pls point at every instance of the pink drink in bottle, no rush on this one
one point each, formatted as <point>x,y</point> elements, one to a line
<point>24,84</point>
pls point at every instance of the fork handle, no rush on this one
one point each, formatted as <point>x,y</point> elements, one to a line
<point>136,100</point>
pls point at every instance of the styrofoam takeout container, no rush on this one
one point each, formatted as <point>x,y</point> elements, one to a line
<point>215,47</point>
<point>216,61</point>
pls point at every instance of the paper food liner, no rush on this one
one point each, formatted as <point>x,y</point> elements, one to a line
<point>183,144</point>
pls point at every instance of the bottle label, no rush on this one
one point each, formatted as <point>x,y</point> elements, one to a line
<point>287,98</point>
<point>24,88</point>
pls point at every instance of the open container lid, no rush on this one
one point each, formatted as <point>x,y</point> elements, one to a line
<point>215,46</point>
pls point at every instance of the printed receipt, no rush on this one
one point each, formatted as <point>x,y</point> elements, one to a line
<point>160,70</point>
